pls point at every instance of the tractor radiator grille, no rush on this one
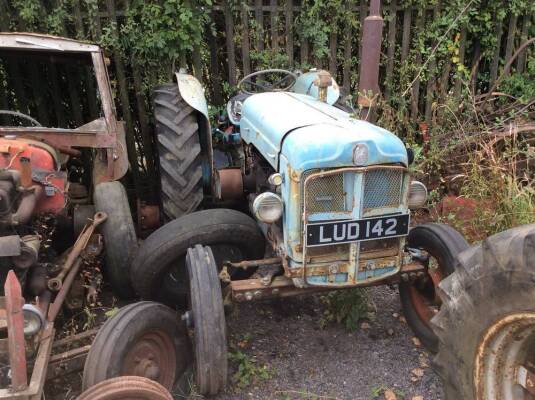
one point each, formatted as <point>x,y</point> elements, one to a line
<point>382,188</point>
<point>326,194</point>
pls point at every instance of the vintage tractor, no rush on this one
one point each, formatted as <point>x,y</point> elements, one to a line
<point>57,185</point>
<point>331,196</point>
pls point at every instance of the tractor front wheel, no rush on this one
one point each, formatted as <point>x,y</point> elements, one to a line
<point>486,326</point>
<point>143,339</point>
<point>207,318</point>
<point>436,245</point>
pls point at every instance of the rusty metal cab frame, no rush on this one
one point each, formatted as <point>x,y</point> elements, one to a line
<point>105,134</point>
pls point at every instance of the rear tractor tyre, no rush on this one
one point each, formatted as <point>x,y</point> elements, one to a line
<point>126,388</point>
<point>159,270</point>
<point>143,339</point>
<point>486,326</point>
<point>208,321</point>
<point>439,245</point>
<point>179,152</point>
<point>119,233</point>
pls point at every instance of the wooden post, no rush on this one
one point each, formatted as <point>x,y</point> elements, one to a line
<point>259,15</point>
<point>430,89</point>
<point>15,332</point>
<point>347,59</point>
<point>462,48</point>
<point>289,33</point>
<point>274,27</point>
<point>415,90</point>
<point>214,63</point>
<point>391,51</point>
<point>495,62</point>
<point>521,60</point>
<point>511,33</point>
<point>333,63</point>
<point>245,45</point>
<point>231,55</point>
<point>406,38</point>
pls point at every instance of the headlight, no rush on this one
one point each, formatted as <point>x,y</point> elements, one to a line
<point>33,319</point>
<point>360,154</point>
<point>417,195</point>
<point>267,207</point>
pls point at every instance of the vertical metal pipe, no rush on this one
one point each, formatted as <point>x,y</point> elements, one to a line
<point>372,33</point>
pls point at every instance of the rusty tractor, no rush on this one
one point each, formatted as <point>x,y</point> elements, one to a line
<point>61,203</point>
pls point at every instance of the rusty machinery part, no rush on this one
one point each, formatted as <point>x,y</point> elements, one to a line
<point>486,326</point>
<point>80,214</point>
<point>229,184</point>
<point>159,271</point>
<point>119,233</point>
<point>55,283</point>
<point>145,339</point>
<point>179,149</point>
<point>126,388</point>
<point>323,81</point>
<point>436,246</point>
<point>207,319</point>
<point>148,217</point>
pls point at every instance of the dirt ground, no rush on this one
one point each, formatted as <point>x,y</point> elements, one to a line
<point>284,354</point>
<point>307,362</point>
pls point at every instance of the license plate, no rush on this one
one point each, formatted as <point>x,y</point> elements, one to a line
<point>329,233</point>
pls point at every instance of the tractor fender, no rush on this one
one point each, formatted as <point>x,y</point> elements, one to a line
<point>192,92</point>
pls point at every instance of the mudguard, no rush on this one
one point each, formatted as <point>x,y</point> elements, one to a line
<point>192,92</point>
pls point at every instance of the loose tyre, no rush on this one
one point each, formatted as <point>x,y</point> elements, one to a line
<point>159,270</point>
<point>179,152</point>
<point>119,235</point>
<point>209,330</point>
<point>143,339</point>
<point>126,388</point>
<point>439,244</point>
<point>486,326</point>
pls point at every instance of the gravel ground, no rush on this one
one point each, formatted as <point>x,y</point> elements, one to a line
<point>304,361</point>
<point>307,362</point>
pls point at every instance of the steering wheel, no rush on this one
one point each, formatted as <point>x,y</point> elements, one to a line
<point>21,115</point>
<point>288,79</point>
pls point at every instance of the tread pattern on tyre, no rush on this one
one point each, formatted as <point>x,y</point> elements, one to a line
<point>453,243</point>
<point>179,151</point>
<point>99,360</point>
<point>491,280</point>
<point>210,334</point>
<point>202,227</point>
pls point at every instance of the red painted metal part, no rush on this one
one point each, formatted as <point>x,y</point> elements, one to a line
<point>15,332</point>
<point>369,64</point>
<point>13,153</point>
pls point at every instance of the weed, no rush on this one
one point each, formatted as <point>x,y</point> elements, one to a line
<point>248,371</point>
<point>347,307</point>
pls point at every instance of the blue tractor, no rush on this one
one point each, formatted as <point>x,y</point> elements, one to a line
<point>288,194</point>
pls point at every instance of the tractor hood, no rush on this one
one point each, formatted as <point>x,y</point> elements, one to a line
<point>313,134</point>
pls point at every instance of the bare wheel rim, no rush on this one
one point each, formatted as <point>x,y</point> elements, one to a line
<point>423,292</point>
<point>152,356</point>
<point>504,356</point>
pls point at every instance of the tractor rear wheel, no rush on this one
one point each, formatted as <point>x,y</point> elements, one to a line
<point>486,326</point>
<point>120,237</point>
<point>438,244</point>
<point>207,320</point>
<point>159,271</point>
<point>179,152</point>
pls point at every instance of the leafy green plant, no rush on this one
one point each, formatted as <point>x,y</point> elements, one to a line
<point>346,307</point>
<point>248,370</point>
